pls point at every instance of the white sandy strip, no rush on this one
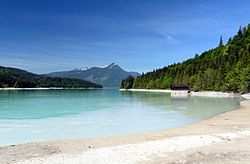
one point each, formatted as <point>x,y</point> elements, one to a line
<point>147,90</point>
<point>246,96</point>
<point>52,88</point>
<point>132,153</point>
<point>29,88</point>
<point>201,93</point>
<point>213,94</point>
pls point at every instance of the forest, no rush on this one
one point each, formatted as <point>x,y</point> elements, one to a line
<point>224,68</point>
<point>17,78</point>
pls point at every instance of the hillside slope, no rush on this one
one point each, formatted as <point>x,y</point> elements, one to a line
<point>225,68</point>
<point>17,78</point>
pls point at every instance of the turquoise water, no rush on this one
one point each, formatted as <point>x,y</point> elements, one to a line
<point>27,116</point>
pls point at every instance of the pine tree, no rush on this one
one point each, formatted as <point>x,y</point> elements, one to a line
<point>221,42</point>
<point>240,31</point>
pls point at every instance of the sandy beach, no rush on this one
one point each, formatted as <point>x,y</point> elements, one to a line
<point>220,139</point>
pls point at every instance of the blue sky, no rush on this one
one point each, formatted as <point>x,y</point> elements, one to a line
<point>139,35</point>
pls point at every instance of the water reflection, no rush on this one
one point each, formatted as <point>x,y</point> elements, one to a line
<point>194,107</point>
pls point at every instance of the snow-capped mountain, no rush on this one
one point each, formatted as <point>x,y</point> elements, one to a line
<point>81,69</point>
<point>108,76</point>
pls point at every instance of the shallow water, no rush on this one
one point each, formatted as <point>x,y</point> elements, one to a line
<point>38,115</point>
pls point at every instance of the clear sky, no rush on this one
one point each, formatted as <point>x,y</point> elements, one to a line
<point>140,35</point>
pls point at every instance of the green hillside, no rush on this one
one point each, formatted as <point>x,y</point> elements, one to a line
<point>17,78</point>
<point>224,68</point>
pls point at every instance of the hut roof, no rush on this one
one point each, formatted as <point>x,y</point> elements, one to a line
<point>179,86</point>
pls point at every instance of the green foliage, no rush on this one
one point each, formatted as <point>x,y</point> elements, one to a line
<point>167,81</point>
<point>128,82</point>
<point>11,77</point>
<point>225,68</point>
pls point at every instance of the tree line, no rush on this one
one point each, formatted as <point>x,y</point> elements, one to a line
<point>224,68</point>
<point>16,78</point>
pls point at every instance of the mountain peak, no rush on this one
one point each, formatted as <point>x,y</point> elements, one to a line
<point>108,76</point>
<point>113,66</point>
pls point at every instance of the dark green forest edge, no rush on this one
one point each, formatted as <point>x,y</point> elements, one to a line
<point>17,78</point>
<point>224,68</point>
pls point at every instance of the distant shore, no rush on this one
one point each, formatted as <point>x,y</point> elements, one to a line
<point>220,139</point>
<point>192,93</point>
<point>53,88</point>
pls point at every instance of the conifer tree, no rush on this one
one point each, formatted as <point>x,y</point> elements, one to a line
<point>221,42</point>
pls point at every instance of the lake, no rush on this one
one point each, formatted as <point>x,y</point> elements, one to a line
<point>39,115</point>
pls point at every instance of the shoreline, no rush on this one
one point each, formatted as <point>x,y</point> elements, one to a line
<point>180,93</point>
<point>246,96</point>
<point>53,88</point>
<point>229,127</point>
<point>192,93</point>
<point>147,90</point>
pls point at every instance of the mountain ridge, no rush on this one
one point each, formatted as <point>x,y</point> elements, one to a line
<point>107,76</point>
<point>18,78</point>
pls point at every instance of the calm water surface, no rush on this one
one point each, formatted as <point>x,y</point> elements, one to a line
<point>27,116</point>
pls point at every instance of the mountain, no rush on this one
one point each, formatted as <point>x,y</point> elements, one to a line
<point>224,68</point>
<point>107,76</point>
<point>17,78</point>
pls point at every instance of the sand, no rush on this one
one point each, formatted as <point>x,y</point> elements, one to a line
<point>7,89</point>
<point>214,94</point>
<point>192,93</point>
<point>147,90</point>
<point>52,88</point>
<point>246,96</point>
<point>221,139</point>
<point>134,153</point>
